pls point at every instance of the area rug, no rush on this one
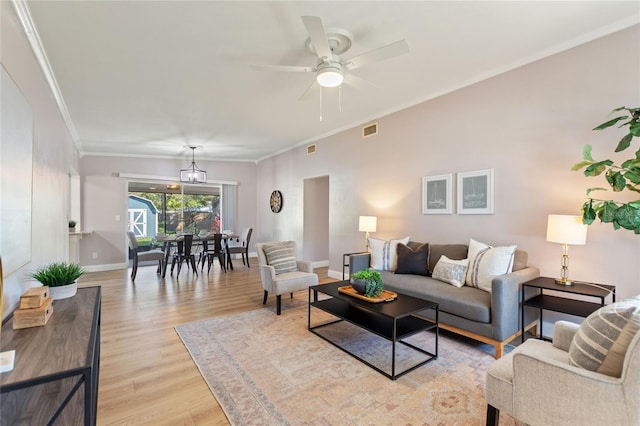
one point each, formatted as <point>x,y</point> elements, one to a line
<point>268,369</point>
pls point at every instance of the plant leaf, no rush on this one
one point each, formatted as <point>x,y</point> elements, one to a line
<point>597,188</point>
<point>635,129</point>
<point>633,176</point>
<point>624,143</point>
<point>610,122</point>
<point>616,180</point>
<point>628,217</point>
<point>635,204</point>
<point>588,213</point>
<point>607,213</point>
<point>580,165</point>
<point>597,168</point>
<point>586,153</point>
<point>631,163</point>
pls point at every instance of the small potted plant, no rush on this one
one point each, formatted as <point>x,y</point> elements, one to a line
<point>367,282</point>
<point>72,225</point>
<point>60,277</point>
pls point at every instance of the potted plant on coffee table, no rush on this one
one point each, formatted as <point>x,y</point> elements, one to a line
<point>367,282</point>
<point>60,277</point>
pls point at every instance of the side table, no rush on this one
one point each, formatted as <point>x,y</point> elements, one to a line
<point>565,305</point>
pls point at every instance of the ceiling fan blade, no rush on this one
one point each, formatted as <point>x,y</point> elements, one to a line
<point>358,83</point>
<point>288,68</point>
<point>318,37</point>
<point>310,92</point>
<point>380,54</point>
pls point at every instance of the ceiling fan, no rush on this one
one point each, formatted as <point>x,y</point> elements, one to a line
<point>332,70</point>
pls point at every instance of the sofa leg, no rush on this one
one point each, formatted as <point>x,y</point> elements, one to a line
<point>499,350</point>
<point>278,304</point>
<point>493,415</point>
<point>264,299</point>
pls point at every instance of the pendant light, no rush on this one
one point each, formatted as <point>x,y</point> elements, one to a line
<point>193,174</point>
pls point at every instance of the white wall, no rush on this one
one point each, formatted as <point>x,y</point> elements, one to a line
<point>54,158</point>
<point>316,220</point>
<point>529,125</point>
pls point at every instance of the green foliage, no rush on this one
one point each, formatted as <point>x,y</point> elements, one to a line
<point>373,280</point>
<point>58,274</point>
<point>72,223</point>
<point>625,176</point>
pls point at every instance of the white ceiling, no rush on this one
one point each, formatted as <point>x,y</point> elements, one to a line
<point>146,78</point>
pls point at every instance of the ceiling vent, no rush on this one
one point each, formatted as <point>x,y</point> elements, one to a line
<point>311,149</point>
<point>370,130</point>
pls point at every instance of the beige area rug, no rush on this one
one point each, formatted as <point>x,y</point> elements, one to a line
<point>268,369</point>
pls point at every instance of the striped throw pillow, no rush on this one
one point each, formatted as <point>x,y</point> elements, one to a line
<point>282,257</point>
<point>601,342</point>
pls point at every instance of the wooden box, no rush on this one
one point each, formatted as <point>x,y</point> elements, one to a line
<point>25,318</point>
<point>34,297</point>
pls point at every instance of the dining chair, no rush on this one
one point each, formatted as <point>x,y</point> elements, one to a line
<point>210,252</point>
<point>143,256</point>
<point>184,253</point>
<point>243,250</point>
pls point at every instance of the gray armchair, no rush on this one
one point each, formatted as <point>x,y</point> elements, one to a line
<point>536,384</point>
<point>143,256</point>
<point>296,275</point>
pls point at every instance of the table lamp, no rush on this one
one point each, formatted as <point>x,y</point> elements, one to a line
<point>566,229</point>
<point>367,224</point>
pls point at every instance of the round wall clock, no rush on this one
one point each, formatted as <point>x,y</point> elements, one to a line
<point>276,201</point>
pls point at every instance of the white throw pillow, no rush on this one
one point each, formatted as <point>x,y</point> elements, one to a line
<point>383,253</point>
<point>486,262</point>
<point>450,271</point>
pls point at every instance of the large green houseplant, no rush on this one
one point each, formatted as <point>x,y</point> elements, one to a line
<point>60,277</point>
<point>624,215</point>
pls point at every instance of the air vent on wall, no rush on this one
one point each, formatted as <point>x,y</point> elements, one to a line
<point>311,149</point>
<point>370,130</point>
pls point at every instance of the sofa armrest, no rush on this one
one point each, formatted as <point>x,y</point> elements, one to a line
<point>505,301</point>
<point>267,275</point>
<point>577,396</point>
<point>359,262</point>
<point>305,265</point>
<point>563,332</point>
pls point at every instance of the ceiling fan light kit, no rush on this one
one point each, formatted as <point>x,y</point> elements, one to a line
<point>193,174</point>
<point>330,75</point>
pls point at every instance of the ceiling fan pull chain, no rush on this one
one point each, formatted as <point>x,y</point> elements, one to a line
<point>320,103</point>
<point>340,98</point>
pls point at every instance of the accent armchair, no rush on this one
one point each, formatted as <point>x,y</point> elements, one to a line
<point>536,384</point>
<point>143,256</point>
<point>281,272</point>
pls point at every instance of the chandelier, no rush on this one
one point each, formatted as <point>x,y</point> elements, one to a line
<point>193,174</point>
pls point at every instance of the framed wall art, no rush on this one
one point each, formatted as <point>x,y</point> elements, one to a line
<point>475,192</point>
<point>437,194</point>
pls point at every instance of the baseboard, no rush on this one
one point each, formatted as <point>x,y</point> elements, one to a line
<point>337,274</point>
<point>108,267</point>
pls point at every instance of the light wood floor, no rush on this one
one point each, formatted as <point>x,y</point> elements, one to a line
<point>146,374</point>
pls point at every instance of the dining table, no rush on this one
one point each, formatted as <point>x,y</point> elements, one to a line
<point>170,241</point>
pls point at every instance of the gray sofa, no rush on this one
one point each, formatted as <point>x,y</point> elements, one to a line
<point>492,318</point>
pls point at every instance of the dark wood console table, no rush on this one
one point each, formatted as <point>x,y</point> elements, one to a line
<point>53,363</point>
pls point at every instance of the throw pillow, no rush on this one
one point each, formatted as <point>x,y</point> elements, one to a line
<point>486,262</point>
<point>452,251</point>
<point>413,261</point>
<point>601,342</point>
<point>450,271</point>
<point>281,256</point>
<point>383,253</point>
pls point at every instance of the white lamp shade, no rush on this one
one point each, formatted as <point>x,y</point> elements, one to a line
<point>566,229</point>
<point>367,223</point>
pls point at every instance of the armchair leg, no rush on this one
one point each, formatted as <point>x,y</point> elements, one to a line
<point>493,415</point>
<point>264,299</point>
<point>278,304</point>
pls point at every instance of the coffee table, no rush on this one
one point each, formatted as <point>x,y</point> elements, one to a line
<point>394,320</point>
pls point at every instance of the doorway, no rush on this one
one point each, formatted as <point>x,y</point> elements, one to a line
<point>316,221</point>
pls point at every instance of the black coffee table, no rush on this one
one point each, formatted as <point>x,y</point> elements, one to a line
<point>394,321</point>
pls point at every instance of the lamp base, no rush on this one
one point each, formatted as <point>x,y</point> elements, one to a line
<point>563,281</point>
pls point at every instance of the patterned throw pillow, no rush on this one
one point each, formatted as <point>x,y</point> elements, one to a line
<point>383,253</point>
<point>281,256</point>
<point>601,342</point>
<point>450,271</point>
<point>486,262</point>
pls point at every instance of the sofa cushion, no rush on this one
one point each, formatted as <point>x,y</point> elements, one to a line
<point>451,271</point>
<point>601,342</point>
<point>486,262</point>
<point>281,256</point>
<point>413,260</point>
<point>452,251</point>
<point>465,302</point>
<point>520,259</point>
<point>383,253</point>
